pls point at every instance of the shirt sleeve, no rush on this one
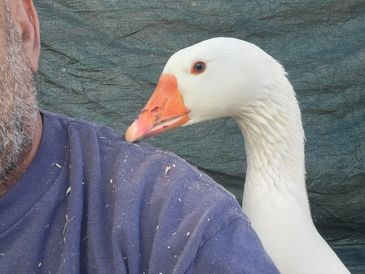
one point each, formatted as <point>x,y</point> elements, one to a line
<point>171,218</point>
<point>233,249</point>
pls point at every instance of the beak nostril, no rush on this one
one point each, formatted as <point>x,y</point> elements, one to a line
<point>155,109</point>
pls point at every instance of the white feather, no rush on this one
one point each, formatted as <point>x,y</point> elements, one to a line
<point>244,82</point>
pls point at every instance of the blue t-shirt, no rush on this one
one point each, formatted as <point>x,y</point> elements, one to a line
<point>92,203</point>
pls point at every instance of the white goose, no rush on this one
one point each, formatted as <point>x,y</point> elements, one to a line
<point>223,77</point>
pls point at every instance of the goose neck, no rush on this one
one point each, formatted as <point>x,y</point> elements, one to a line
<point>274,143</point>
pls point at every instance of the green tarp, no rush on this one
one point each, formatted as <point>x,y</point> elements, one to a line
<point>102,58</point>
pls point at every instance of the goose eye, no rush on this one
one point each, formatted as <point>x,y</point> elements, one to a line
<point>198,67</point>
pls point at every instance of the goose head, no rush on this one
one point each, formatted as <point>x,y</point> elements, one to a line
<point>215,78</point>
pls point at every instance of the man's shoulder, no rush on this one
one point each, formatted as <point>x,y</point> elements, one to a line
<point>88,136</point>
<point>140,164</point>
<point>139,159</point>
<point>137,189</point>
<point>83,126</point>
<point>87,132</point>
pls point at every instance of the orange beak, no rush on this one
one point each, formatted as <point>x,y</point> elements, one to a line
<point>164,110</point>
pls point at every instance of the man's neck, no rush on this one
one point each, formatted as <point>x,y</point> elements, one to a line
<point>26,160</point>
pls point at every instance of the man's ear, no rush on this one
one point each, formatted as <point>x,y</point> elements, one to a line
<point>26,19</point>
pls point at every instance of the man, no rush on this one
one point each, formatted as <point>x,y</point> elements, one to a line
<point>76,198</point>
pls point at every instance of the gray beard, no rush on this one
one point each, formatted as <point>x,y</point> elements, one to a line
<point>18,105</point>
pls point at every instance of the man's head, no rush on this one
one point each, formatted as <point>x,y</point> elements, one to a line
<point>19,55</point>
